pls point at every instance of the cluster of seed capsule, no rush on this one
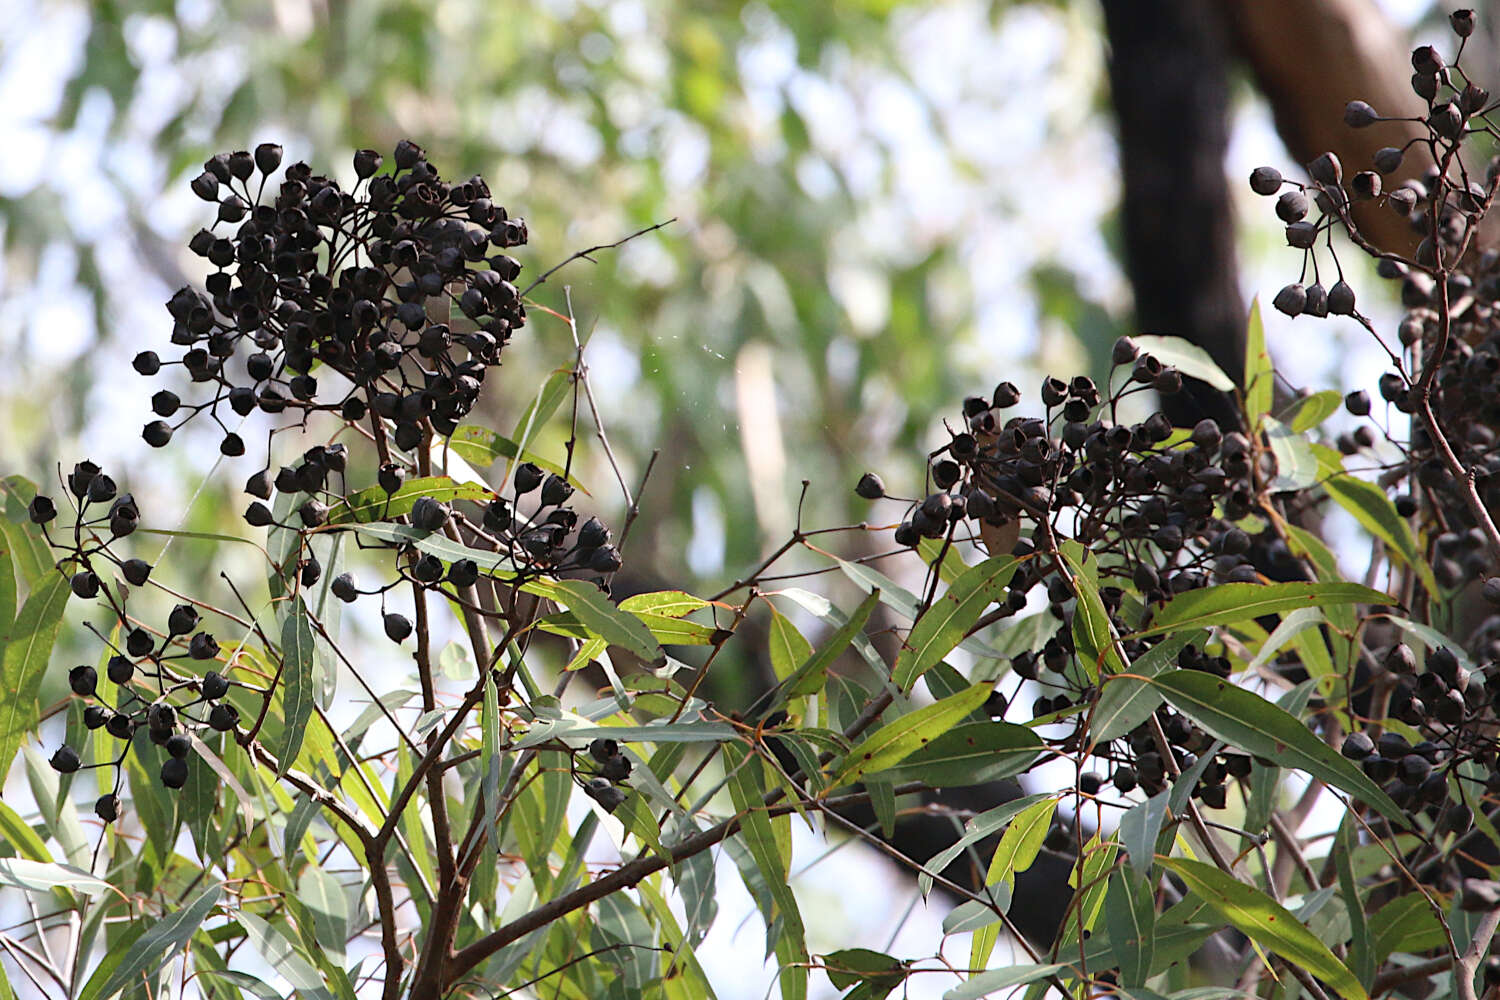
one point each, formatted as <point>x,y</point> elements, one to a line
<point>1449,335</point>
<point>1162,510</point>
<point>154,671</point>
<point>548,540</point>
<point>359,282</point>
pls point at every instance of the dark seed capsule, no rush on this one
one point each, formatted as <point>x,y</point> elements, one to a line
<point>174,772</point>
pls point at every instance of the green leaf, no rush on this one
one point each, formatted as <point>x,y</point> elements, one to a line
<point>787,646</point>
<point>1021,843</point>
<point>876,973</point>
<point>1139,829</point>
<point>1237,602</point>
<point>1186,357</point>
<point>27,650</point>
<point>1130,917</point>
<point>43,875</point>
<point>21,837</point>
<point>1125,702</point>
<point>1361,942</point>
<point>483,446</point>
<point>297,653</point>
<point>1290,627</point>
<point>8,596</point>
<point>608,622</point>
<point>1406,924</point>
<point>146,954</point>
<point>282,954</point>
<point>375,504</point>
<point>808,678</point>
<point>1296,465</point>
<point>894,742</point>
<point>548,398</point>
<point>1368,504</point>
<point>666,603</point>
<point>1267,923</point>
<point>943,626</point>
<point>984,825</point>
<point>1091,633</point>
<point>970,754</point>
<point>1260,377</point>
<point>1244,719</point>
<point>984,984</point>
<point>759,836</point>
<point>324,897</point>
<point>1308,412</point>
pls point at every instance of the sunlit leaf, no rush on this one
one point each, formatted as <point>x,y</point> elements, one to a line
<point>1267,923</point>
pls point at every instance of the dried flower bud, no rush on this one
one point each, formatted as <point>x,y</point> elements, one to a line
<point>1265,180</point>
<point>1358,114</point>
<point>1327,169</point>
<point>1291,300</point>
<point>1291,207</point>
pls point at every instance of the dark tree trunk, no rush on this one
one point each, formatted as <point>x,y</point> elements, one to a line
<point>1168,73</point>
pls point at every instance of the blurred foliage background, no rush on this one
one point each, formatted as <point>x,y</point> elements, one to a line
<point>874,216</point>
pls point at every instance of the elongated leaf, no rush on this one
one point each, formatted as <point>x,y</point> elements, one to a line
<point>1021,843</point>
<point>297,689</point>
<point>483,446</point>
<point>42,875</point>
<point>27,651</point>
<point>1291,626</point>
<point>548,398</point>
<point>1308,412</point>
<point>145,955</point>
<point>984,984</point>
<point>787,646</point>
<point>375,504</point>
<point>1186,357</point>
<point>893,743</point>
<point>1361,942</point>
<point>1237,602</point>
<point>1091,634</point>
<point>8,592</point>
<point>977,914</point>
<point>943,626</point>
<point>1125,702</point>
<point>21,837</point>
<point>1260,378</point>
<point>282,954</point>
<point>667,603</point>
<point>1130,916</point>
<point>608,622</point>
<point>1139,829</point>
<point>984,825</point>
<point>1267,923</point>
<point>1244,719</point>
<point>970,754</point>
<point>808,678</point>
<point>1296,465</point>
<point>1369,505</point>
<point>757,833</point>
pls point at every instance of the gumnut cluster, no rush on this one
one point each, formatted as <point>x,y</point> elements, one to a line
<point>1164,511</point>
<point>1445,371</point>
<point>164,679</point>
<point>400,287</point>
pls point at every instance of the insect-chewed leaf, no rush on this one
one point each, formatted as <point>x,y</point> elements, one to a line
<point>1267,923</point>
